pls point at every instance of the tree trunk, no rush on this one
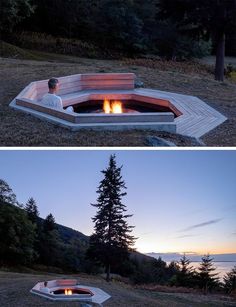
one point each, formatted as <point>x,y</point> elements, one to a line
<point>108,269</point>
<point>220,55</point>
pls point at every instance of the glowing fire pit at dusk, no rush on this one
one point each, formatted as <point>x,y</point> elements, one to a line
<point>70,290</point>
<point>111,102</point>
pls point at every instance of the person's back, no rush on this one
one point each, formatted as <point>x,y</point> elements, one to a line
<point>52,100</point>
<point>45,288</point>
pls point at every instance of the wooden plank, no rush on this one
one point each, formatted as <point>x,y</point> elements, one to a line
<point>107,76</point>
<point>109,87</point>
<point>103,96</point>
<point>50,111</point>
<point>106,82</point>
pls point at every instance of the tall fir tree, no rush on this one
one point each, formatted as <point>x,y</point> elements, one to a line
<point>112,239</point>
<point>50,243</point>
<point>207,280</point>
<point>32,210</point>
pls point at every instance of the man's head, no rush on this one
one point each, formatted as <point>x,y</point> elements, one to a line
<point>45,284</point>
<point>53,85</point>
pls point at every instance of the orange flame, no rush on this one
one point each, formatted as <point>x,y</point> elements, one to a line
<point>112,107</point>
<point>68,292</point>
<point>106,106</point>
<point>116,107</point>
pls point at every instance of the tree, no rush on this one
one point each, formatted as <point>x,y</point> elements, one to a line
<point>185,272</point>
<point>230,281</point>
<point>17,236</point>
<point>111,240</point>
<point>32,210</point>
<point>12,12</point>
<point>49,223</point>
<point>6,193</point>
<point>118,27</point>
<point>203,18</point>
<point>207,280</point>
<point>50,243</point>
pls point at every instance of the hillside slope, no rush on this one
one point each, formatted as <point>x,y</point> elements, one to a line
<point>20,129</point>
<point>15,287</point>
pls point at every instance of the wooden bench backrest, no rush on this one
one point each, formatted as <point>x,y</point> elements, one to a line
<point>66,282</point>
<point>75,83</point>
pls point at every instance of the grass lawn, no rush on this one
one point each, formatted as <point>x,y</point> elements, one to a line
<point>19,129</point>
<point>14,291</point>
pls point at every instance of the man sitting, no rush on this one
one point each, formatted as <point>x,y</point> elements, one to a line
<point>51,99</point>
<point>45,288</point>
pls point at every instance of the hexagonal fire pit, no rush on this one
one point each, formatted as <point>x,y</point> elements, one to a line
<point>110,101</point>
<point>70,290</point>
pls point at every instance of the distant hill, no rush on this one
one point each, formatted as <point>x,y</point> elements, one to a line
<point>67,233</point>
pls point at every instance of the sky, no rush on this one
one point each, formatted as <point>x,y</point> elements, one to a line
<point>181,201</point>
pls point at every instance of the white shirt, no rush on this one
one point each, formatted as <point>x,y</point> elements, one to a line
<point>52,101</point>
<point>45,290</point>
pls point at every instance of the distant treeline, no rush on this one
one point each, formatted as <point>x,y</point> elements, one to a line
<point>30,241</point>
<point>128,27</point>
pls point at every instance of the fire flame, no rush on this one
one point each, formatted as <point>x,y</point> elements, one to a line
<point>106,106</point>
<point>112,107</point>
<point>68,292</point>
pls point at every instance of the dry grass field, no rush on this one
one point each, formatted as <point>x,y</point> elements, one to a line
<point>19,129</point>
<point>14,291</point>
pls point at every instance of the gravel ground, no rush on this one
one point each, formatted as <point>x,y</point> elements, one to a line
<point>19,129</point>
<point>14,291</point>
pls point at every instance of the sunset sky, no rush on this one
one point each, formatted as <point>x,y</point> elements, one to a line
<point>181,201</point>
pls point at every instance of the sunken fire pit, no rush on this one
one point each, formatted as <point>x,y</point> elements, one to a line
<point>70,290</point>
<point>111,102</point>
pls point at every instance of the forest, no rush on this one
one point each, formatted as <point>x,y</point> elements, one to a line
<point>174,30</point>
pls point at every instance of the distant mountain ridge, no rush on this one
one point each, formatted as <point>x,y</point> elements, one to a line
<point>193,257</point>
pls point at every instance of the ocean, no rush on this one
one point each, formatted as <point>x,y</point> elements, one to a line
<point>221,267</point>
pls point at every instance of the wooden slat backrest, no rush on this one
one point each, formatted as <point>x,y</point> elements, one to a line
<point>75,83</point>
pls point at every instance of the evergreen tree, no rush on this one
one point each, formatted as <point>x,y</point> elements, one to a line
<point>50,244</point>
<point>118,26</point>
<point>207,280</point>
<point>185,272</point>
<point>32,210</point>
<point>6,193</point>
<point>49,223</point>
<point>111,240</point>
<point>230,281</point>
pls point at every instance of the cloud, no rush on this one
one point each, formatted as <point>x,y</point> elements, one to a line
<point>186,236</point>
<point>202,224</point>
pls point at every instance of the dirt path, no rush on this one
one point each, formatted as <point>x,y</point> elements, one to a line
<point>14,291</point>
<point>19,129</point>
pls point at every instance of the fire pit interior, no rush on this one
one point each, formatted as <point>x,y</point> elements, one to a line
<point>73,291</point>
<point>119,106</point>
